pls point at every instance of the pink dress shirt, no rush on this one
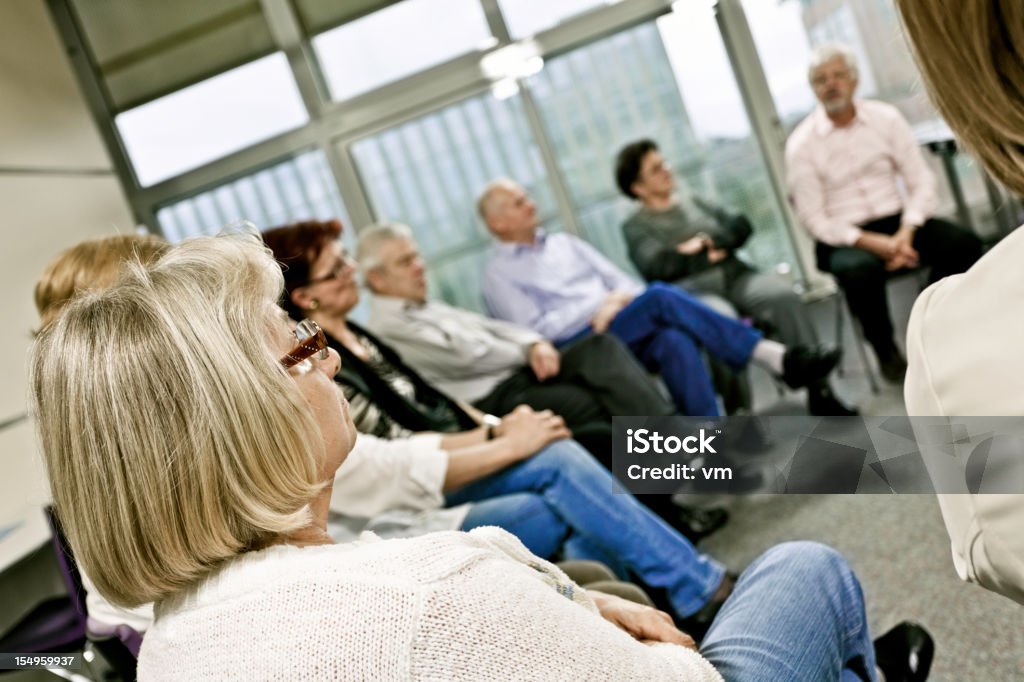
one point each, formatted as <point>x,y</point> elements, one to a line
<point>841,178</point>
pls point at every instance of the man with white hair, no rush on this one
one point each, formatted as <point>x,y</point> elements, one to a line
<point>860,186</point>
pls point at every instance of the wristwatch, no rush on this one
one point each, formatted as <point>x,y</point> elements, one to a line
<point>491,422</point>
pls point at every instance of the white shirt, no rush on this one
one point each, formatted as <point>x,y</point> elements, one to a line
<point>446,606</point>
<point>462,353</point>
<point>842,178</point>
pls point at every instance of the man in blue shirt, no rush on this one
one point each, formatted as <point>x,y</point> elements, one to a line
<point>561,287</point>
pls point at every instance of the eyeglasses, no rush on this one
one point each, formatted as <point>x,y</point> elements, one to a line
<point>343,263</point>
<point>312,343</point>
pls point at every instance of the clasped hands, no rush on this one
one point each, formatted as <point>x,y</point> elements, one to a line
<point>897,250</point>
<point>701,242</point>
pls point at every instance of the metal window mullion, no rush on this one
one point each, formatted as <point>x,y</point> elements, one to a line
<point>286,30</point>
<point>496,21</point>
<point>354,198</point>
<point>566,208</point>
<point>764,119</point>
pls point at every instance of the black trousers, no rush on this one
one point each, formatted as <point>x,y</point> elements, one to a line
<point>599,379</point>
<point>949,249</point>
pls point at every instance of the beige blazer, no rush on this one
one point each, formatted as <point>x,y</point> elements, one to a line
<point>965,348</point>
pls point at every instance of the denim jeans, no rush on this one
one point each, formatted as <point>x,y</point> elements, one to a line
<point>565,497</point>
<point>797,613</point>
<point>666,328</point>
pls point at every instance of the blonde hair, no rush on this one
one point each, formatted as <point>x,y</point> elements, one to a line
<point>972,57</point>
<point>490,200</point>
<point>172,437</point>
<point>92,264</point>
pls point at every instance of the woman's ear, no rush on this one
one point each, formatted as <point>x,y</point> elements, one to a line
<point>302,298</point>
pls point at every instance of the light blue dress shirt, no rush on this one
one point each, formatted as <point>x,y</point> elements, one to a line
<point>553,286</point>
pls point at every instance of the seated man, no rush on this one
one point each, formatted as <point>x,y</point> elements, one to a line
<point>561,287</point>
<point>695,246</point>
<point>494,365</point>
<point>847,162</point>
<point>497,365</point>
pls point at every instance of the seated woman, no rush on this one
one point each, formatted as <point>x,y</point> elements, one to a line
<point>389,399</point>
<point>233,430</point>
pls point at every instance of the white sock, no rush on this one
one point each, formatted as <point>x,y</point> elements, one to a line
<point>769,354</point>
<point>879,674</point>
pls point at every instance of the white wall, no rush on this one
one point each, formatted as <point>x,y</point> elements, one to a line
<point>44,124</point>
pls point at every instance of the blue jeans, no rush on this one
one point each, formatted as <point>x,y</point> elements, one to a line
<point>797,613</point>
<point>563,497</point>
<point>666,327</point>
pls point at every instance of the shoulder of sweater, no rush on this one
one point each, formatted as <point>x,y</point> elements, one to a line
<point>414,561</point>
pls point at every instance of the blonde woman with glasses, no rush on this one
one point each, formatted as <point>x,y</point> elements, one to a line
<point>192,435</point>
<point>965,336</point>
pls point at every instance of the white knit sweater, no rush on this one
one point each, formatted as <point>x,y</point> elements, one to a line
<point>446,606</point>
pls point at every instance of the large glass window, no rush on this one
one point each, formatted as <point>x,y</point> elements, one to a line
<point>398,41</point>
<point>669,81</point>
<point>525,18</point>
<point>428,173</point>
<point>298,188</point>
<point>206,121</point>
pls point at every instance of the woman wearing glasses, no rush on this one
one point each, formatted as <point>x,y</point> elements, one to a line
<point>214,431</point>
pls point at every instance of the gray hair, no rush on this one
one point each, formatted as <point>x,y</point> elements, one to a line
<point>490,200</point>
<point>822,54</point>
<point>373,237</point>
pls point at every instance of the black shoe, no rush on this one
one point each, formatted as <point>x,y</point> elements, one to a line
<point>892,364</point>
<point>698,624</point>
<point>803,365</point>
<point>821,402</point>
<point>697,524</point>
<point>904,654</point>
